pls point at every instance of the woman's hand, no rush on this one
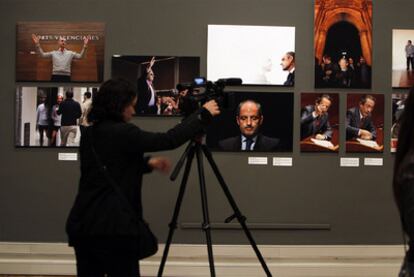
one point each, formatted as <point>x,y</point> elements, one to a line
<point>161,164</point>
<point>212,107</point>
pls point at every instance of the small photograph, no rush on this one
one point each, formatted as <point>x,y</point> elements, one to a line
<point>398,105</point>
<point>255,122</point>
<point>161,81</point>
<point>402,58</point>
<point>343,43</point>
<point>60,51</point>
<point>51,116</point>
<point>365,123</point>
<point>259,55</point>
<point>319,122</point>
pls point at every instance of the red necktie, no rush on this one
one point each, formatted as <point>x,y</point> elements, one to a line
<point>317,122</point>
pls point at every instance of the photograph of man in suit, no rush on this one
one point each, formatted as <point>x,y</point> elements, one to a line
<point>249,118</point>
<point>314,119</point>
<point>288,64</point>
<point>147,103</point>
<point>359,122</point>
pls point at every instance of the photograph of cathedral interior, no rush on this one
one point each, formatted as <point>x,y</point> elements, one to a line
<point>343,43</point>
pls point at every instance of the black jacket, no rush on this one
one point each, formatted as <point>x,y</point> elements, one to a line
<point>309,126</point>
<point>263,143</point>
<point>144,95</point>
<point>405,182</point>
<point>353,124</point>
<point>290,79</point>
<point>98,210</point>
<point>70,111</point>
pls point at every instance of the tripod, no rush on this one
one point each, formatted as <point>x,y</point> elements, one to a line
<point>195,147</point>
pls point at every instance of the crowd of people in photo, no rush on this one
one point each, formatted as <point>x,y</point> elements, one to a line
<point>171,104</point>
<point>343,73</point>
<point>59,121</point>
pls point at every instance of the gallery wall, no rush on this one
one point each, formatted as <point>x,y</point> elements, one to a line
<point>315,201</point>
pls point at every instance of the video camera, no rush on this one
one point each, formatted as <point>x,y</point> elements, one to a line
<point>167,93</point>
<point>200,91</point>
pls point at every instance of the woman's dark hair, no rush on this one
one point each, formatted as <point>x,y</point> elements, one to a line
<point>405,142</point>
<point>111,100</point>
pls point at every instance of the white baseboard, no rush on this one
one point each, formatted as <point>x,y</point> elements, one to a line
<point>230,260</point>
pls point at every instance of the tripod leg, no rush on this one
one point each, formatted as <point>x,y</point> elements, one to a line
<point>237,213</point>
<point>173,223</point>
<point>206,220</point>
<point>181,161</point>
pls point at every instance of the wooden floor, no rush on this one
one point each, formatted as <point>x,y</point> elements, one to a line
<point>402,78</point>
<point>57,259</point>
<point>40,275</point>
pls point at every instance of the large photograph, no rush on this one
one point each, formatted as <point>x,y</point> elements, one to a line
<point>343,43</point>
<point>51,116</point>
<point>259,122</point>
<point>365,123</point>
<point>161,81</point>
<point>398,105</point>
<point>319,122</point>
<point>259,55</point>
<point>402,58</point>
<point>60,51</point>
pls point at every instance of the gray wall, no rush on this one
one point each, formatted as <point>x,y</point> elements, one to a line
<point>314,202</point>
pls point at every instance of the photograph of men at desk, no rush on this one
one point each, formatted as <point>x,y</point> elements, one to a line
<point>364,123</point>
<point>319,122</point>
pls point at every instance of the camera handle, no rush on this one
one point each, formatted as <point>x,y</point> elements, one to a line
<point>196,148</point>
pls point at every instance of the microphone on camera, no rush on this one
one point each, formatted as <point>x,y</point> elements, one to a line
<point>230,81</point>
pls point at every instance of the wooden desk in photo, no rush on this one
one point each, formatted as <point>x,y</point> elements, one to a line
<point>309,145</point>
<point>355,146</point>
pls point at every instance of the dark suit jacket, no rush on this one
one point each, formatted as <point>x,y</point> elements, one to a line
<point>344,79</point>
<point>263,143</point>
<point>404,180</point>
<point>353,124</point>
<point>70,111</point>
<point>144,96</point>
<point>310,126</point>
<point>290,81</point>
<point>98,211</point>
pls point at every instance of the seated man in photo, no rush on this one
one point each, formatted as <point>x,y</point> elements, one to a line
<point>249,119</point>
<point>359,121</point>
<point>314,120</point>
